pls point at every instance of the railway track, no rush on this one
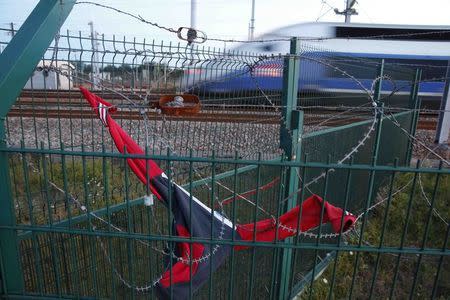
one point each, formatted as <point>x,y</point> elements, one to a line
<point>70,105</point>
<point>203,116</point>
<point>76,94</point>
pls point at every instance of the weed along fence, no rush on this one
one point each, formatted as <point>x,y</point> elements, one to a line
<point>172,171</point>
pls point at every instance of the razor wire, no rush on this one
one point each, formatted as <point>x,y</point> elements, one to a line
<point>346,157</point>
<point>221,233</point>
<point>366,136</point>
<point>356,148</point>
<point>132,102</point>
<point>181,259</point>
<point>170,253</point>
<point>281,226</point>
<point>189,261</point>
<point>353,150</point>
<point>424,195</point>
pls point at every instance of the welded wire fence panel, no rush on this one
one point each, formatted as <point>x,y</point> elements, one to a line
<point>339,88</point>
<point>403,220</point>
<point>133,75</point>
<point>359,139</point>
<point>335,185</point>
<point>86,225</point>
<point>71,264</point>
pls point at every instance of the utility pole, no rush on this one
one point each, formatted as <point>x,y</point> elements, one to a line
<point>192,32</point>
<point>94,60</point>
<point>193,13</point>
<point>251,27</point>
<point>348,11</point>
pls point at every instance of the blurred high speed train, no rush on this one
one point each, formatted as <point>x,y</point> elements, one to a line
<point>330,52</point>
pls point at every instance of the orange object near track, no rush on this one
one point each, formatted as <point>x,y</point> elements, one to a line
<point>191,105</point>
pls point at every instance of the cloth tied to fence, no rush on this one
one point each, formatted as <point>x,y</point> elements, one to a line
<point>191,264</point>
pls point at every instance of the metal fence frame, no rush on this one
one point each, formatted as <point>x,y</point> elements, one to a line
<point>24,52</point>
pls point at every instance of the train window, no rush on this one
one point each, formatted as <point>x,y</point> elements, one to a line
<point>359,67</point>
<point>430,68</point>
<point>385,33</point>
<point>397,68</point>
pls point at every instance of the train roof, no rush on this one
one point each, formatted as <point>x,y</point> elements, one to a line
<point>445,58</point>
<point>366,30</point>
<point>372,25</point>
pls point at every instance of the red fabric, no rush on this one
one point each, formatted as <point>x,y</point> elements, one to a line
<point>94,100</point>
<point>122,139</point>
<point>266,230</point>
<point>181,272</point>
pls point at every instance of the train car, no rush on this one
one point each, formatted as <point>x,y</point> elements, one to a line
<point>354,48</point>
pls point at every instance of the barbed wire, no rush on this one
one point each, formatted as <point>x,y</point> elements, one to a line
<point>134,16</point>
<point>279,225</point>
<point>83,208</point>
<point>281,39</point>
<point>354,149</point>
<point>251,68</point>
<point>147,287</point>
<point>188,260</point>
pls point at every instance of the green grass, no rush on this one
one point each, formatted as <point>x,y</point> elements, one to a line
<point>385,274</point>
<point>34,194</point>
<point>80,257</point>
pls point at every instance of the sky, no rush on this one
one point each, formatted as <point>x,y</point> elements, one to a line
<point>230,19</point>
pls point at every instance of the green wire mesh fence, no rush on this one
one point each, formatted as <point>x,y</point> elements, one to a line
<point>83,227</point>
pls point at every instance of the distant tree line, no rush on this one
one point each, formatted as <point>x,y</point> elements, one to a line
<point>154,70</point>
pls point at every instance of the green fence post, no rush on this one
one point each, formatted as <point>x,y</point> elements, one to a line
<point>12,271</point>
<point>28,46</point>
<point>18,61</point>
<point>379,82</point>
<point>373,187</point>
<point>290,142</point>
<point>415,105</point>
